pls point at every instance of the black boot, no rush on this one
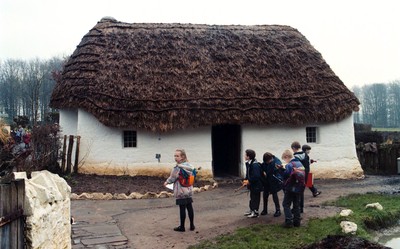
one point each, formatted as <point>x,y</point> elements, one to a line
<point>179,229</point>
<point>277,213</point>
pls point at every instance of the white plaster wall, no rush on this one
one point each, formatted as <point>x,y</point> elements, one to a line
<point>334,151</point>
<point>102,151</point>
<point>69,126</point>
<point>68,121</point>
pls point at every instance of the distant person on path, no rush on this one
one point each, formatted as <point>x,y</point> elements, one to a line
<point>294,181</point>
<point>27,139</point>
<point>19,134</point>
<point>273,182</point>
<point>254,180</point>
<point>183,194</point>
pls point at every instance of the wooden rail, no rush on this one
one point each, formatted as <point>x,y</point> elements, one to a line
<point>378,158</point>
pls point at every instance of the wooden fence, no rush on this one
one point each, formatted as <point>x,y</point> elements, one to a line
<point>11,215</point>
<point>66,156</point>
<point>378,158</point>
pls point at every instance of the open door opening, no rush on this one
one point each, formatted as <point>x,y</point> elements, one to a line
<point>226,152</point>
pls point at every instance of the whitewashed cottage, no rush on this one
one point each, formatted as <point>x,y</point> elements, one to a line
<point>136,92</point>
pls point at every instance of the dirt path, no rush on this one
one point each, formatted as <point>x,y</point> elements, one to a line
<point>148,223</point>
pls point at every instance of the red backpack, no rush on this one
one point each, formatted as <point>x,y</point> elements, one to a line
<point>296,180</point>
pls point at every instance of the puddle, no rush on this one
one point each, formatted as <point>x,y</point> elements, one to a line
<point>389,237</point>
<point>392,243</point>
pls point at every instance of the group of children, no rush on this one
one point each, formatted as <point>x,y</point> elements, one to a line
<point>268,177</point>
<point>271,176</point>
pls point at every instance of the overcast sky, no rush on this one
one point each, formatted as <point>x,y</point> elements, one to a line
<point>359,39</point>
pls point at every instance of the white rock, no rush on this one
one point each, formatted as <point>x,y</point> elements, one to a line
<point>19,175</point>
<point>135,195</point>
<point>348,227</point>
<point>164,194</point>
<point>121,196</point>
<point>376,205</point>
<point>149,195</point>
<point>346,212</point>
<point>47,207</point>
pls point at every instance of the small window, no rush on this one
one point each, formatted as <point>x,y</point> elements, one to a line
<point>311,134</point>
<point>129,139</point>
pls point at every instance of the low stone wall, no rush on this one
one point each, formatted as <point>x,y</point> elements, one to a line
<point>47,210</point>
<point>134,195</point>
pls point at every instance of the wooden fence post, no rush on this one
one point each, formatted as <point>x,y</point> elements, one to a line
<point>69,153</point>
<point>63,154</point>
<point>78,141</point>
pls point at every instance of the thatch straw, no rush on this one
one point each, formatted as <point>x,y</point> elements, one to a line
<point>163,77</point>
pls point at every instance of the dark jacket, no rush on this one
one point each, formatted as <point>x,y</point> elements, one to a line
<point>273,178</point>
<point>304,159</point>
<point>254,175</point>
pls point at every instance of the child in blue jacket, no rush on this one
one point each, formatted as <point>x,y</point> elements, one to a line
<point>294,184</point>
<point>254,178</point>
<point>273,182</point>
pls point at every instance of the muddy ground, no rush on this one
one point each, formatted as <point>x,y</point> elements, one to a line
<point>148,223</point>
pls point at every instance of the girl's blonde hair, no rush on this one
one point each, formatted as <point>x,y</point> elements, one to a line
<point>183,154</point>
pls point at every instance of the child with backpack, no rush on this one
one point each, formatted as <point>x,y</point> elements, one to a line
<point>294,184</point>
<point>182,177</point>
<point>255,185</point>
<point>304,158</point>
<point>273,182</point>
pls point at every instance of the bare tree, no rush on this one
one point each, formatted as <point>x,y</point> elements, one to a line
<point>26,86</point>
<point>394,104</point>
<point>55,65</point>
<point>357,117</point>
<point>10,87</point>
<point>35,76</point>
<point>374,106</point>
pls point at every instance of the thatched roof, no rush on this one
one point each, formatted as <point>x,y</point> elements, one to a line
<point>163,77</point>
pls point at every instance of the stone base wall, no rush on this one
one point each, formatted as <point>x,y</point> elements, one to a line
<point>47,210</point>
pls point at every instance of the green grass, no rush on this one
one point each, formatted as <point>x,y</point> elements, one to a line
<point>275,236</point>
<point>385,129</point>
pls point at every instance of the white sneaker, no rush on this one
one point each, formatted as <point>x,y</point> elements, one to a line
<point>247,213</point>
<point>252,215</point>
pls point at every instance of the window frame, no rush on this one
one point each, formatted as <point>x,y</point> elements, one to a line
<point>312,135</point>
<point>129,139</point>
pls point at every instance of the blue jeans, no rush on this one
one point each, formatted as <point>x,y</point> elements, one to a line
<point>290,198</point>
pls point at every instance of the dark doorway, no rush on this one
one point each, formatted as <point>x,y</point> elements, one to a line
<point>226,144</point>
